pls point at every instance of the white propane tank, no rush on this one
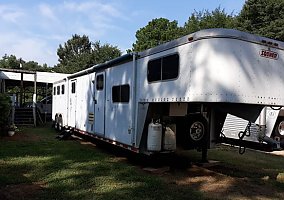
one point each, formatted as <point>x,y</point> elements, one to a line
<point>169,141</point>
<point>154,140</point>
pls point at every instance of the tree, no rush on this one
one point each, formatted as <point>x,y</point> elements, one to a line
<point>31,66</point>
<point>218,18</point>
<point>10,62</point>
<point>103,53</point>
<point>157,31</point>
<point>263,17</point>
<point>74,54</point>
<point>79,53</point>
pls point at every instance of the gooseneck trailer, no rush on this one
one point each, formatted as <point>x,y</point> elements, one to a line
<point>177,94</point>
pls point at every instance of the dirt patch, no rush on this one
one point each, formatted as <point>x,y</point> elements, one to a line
<point>20,136</point>
<point>211,179</point>
<point>277,153</point>
<point>20,191</point>
<point>219,186</point>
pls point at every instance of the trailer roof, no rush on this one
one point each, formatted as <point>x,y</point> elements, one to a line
<point>101,66</point>
<point>202,34</point>
<point>214,33</point>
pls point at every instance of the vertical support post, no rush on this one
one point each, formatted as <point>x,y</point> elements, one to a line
<point>45,110</point>
<point>134,103</point>
<point>21,89</point>
<point>13,108</point>
<point>4,86</point>
<point>262,124</point>
<point>34,99</point>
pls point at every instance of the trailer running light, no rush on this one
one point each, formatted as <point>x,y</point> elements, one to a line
<point>270,43</point>
<point>190,39</point>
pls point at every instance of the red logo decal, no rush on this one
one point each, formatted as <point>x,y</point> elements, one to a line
<point>268,54</point>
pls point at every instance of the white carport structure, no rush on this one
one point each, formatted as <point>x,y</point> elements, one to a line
<point>21,78</point>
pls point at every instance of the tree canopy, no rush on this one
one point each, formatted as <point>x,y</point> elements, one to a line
<point>218,18</point>
<point>162,30</point>
<point>79,53</point>
<point>263,17</point>
<point>12,62</point>
<point>156,32</point>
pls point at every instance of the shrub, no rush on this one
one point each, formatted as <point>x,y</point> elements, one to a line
<point>5,108</point>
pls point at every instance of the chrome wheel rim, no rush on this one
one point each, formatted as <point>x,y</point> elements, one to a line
<point>197,131</point>
<point>281,128</point>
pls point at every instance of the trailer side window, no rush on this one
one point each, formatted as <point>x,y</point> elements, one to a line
<point>58,90</point>
<point>164,68</point>
<point>54,90</point>
<point>73,87</point>
<point>100,82</point>
<point>121,93</point>
<point>154,70</point>
<point>62,89</point>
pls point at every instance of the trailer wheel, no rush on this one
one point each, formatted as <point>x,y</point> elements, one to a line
<point>60,123</point>
<point>197,130</point>
<point>56,123</point>
<point>279,128</point>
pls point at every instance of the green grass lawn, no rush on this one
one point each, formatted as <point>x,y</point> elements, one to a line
<point>70,170</point>
<point>35,165</point>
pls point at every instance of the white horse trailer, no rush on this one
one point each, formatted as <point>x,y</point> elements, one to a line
<point>175,94</point>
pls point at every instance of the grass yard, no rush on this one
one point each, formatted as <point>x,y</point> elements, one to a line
<point>40,167</point>
<point>35,165</point>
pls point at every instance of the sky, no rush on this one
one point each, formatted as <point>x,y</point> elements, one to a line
<point>33,29</point>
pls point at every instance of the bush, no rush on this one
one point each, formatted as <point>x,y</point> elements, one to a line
<point>5,107</point>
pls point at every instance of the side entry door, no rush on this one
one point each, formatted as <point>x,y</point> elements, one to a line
<point>100,100</point>
<point>72,103</point>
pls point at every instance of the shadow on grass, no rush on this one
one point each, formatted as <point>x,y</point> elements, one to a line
<point>69,170</point>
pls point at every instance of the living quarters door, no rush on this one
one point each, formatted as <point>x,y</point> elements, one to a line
<point>72,103</point>
<point>100,95</point>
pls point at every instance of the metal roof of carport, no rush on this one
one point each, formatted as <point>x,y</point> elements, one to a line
<point>13,76</point>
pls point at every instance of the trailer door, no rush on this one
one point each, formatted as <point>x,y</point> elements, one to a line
<point>100,94</point>
<point>119,103</point>
<point>72,104</point>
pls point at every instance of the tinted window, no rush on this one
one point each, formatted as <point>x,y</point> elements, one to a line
<point>124,93</point>
<point>58,90</point>
<point>115,93</point>
<point>73,87</point>
<point>62,89</point>
<point>54,90</point>
<point>164,68</point>
<point>100,82</point>
<point>154,70</point>
<point>170,67</point>
<point>121,93</point>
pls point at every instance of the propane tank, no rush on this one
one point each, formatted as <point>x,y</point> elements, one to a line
<point>169,140</point>
<point>154,140</point>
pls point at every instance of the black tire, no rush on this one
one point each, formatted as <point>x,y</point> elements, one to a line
<point>60,124</point>
<point>197,131</point>
<point>56,123</point>
<point>279,128</point>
